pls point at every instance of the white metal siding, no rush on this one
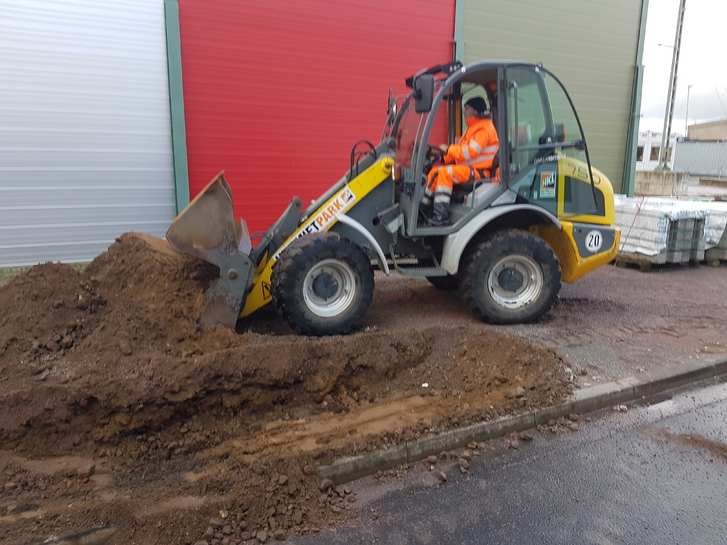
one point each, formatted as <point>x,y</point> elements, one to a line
<point>85,145</point>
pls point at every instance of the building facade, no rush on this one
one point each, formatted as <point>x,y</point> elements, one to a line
<point>649,149</point>
<point>711,130</point>
<point>704,152</point>
<point>113,114</point>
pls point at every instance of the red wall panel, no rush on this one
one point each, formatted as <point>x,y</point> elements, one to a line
<point>277,93</point>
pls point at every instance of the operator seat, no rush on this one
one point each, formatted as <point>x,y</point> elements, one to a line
<point>461,190</point>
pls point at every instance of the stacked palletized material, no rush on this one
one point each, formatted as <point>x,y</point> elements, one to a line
<point>716,244</point>
<point>657,230</point>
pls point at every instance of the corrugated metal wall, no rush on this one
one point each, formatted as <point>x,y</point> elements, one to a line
<point>701,158</point>
<point>590,45</point>
<point>85,146</point>
<point>277,93</point>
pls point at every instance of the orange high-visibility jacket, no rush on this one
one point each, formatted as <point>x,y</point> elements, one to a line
<point>477,147</point>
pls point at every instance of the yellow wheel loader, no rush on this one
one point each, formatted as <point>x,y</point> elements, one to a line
<point>545,216</point>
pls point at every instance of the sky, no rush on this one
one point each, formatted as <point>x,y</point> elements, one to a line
<point>702,63</point>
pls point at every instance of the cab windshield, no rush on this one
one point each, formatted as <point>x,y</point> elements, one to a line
<point>407,126</point>
<point>403,127</point>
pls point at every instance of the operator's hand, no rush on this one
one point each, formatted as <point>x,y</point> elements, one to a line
<point>443,147</point>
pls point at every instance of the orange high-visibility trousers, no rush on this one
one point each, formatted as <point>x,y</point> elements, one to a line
<point>440,184</point>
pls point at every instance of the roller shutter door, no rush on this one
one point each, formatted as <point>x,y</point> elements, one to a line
<point>277,93</point>
<point>85,145</point>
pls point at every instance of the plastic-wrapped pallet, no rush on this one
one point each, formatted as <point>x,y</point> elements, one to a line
<point>715,232</point>
<point>657,230</point>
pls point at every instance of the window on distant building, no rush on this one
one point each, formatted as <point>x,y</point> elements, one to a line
<point>654,154</point>
<point>640,153</point>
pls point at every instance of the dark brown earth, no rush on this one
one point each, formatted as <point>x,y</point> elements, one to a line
<point>117,408</point>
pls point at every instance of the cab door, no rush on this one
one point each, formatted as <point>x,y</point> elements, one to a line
<point>548,162</point>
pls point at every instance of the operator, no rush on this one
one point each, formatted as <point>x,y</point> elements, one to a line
<point>470,159</point>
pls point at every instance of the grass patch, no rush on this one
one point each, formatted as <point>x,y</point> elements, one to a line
<point>7,274</point>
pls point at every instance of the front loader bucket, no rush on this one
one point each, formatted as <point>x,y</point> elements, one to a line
<point>206,229</point>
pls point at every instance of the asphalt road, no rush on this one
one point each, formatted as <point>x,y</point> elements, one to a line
<point>656,474</point>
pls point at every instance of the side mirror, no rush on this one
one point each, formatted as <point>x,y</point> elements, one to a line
<point>423,93</point>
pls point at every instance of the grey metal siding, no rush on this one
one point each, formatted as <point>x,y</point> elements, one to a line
<point>85,145</point>
<point>590,45</point>
<point>701,158</point>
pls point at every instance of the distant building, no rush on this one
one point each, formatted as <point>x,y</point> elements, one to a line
<point>647,152</point>
<point>704,152</point>
<point>713,130</point>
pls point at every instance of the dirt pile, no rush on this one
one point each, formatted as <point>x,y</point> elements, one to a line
<point>115,401</point>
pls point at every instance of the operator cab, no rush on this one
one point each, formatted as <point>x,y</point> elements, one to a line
<point>542,158</point>
<point>448,124</point>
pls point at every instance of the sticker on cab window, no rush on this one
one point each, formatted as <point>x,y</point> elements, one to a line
<point>547,185</point>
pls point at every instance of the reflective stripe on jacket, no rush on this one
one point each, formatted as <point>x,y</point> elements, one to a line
<point>477,147</point>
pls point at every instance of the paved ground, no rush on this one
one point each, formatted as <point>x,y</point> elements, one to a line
<point>654,474</point>
<point>622,333</point>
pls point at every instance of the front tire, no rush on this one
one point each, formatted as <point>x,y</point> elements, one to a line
<point>511,277</point>
<point>322,284</point>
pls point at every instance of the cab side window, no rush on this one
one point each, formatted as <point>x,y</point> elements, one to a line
<point>525,117</point>
<point>549,165</point>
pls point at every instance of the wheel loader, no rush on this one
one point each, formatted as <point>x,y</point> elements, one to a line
<point>545,216</point>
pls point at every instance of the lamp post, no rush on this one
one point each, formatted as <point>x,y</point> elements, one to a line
<point>669,113</point>
<point>686,116</point>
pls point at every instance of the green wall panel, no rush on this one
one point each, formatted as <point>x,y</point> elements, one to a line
<point>590,45</point>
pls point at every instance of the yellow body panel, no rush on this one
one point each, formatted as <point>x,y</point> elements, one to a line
<point>321,220</point>
<point>578,170</point>
<point>572,265</point>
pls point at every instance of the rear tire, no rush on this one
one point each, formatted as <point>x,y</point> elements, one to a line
<point>511,277</point>
<point>322,284</point>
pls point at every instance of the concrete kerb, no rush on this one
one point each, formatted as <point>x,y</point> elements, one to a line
<point>583,401</point>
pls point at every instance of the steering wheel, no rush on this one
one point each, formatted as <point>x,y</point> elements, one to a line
<point>434,154</point>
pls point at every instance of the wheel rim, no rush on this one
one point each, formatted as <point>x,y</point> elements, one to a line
<point>329,287</point>
<point>515,281</point>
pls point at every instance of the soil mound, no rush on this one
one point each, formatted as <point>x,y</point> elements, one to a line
<point>146,418</point>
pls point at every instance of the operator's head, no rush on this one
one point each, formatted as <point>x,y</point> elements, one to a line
<point>477,105</point>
